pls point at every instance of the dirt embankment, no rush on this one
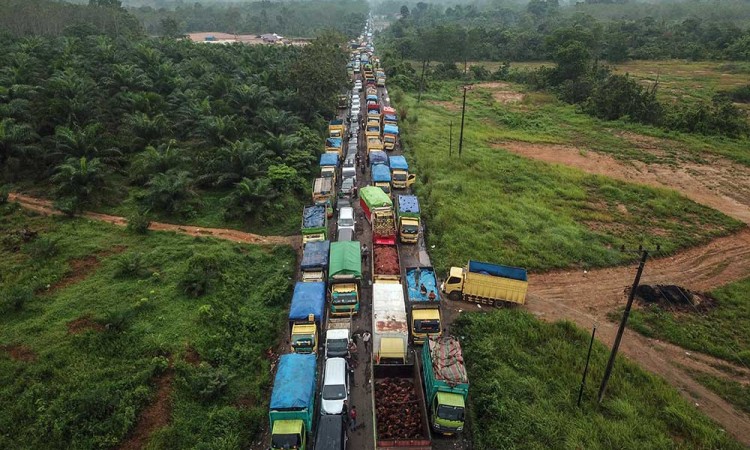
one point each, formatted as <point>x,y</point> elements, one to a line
<point>45,207</point>
<point>719,184</point>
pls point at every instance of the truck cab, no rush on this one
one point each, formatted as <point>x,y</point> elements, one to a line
<point>448,413</point>
<point>344,299</point>
<point>425,322</point>
<point>304,338</point>
<point>288,434</point>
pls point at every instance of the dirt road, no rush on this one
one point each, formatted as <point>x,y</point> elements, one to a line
<point>43,206</point>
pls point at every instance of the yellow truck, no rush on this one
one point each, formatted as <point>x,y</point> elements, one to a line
<point>336,128</point>
<point>374,143</point>
<point>486,283</point>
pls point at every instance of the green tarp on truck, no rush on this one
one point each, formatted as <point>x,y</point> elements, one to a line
<point>345,260</point>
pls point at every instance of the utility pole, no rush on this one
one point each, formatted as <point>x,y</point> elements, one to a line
<point>463,113</point>
<point>450,139</point>
<point>586,368</point>
<point>610,364</point>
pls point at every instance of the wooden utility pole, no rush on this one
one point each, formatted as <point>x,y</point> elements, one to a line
<point>586,368</point>
<point>450,139</point>
<point>463,114</point>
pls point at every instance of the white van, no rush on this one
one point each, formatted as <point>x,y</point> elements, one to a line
<point>335,386</point>
<point>346,218</point>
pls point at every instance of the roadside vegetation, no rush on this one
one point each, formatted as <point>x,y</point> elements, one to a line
<point>525,381</point>
<point>106,334</point>
<point>738,394</point>
<point>719,329</point>
<point>489,204</point>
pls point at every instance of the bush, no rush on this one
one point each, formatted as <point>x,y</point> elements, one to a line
<point>480,73</point>
<point>131,265</point>
<point>138,222</point>
<point>14,298</point>
<point>43,248</point>
<point>117,321</point>
<point>201,272</point>
<point>208,383</point>
<point>740,94</point>
<point>4,194</point>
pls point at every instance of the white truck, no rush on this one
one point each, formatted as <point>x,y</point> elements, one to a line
<point>390,327</point>
<point>338,336</point>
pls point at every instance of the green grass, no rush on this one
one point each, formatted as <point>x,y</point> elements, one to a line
<point>733,392</point>
<point>721,331</point>
<point>525,376</point>
<point>492,205</point>
<point>86,390</point>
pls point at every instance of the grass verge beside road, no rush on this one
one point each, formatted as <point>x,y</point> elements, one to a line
<point>525,376</point>
<point>721,330</point>
<point>492,205</point>
<point>99,325</point>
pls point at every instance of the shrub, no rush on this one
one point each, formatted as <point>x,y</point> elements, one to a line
<point>43,248</point>
<point>138,222</point>
<point>14,298</point>
<point>208,383</point>
<point>131,265</point>
<point>117,321</point>
<point>201,272</point>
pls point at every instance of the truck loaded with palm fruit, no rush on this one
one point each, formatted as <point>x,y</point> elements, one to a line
<point>378,209</point>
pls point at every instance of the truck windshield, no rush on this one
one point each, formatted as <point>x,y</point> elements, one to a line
<point>427,326</point>
<point>337,347</point>
<point>345,298</point>
<point>337,392</point>
<point>346,223</point>
<point>302,341</point>
<point>409,229</point>
<point>390,140</point>
<point>450,413</point>
<point>399,176</point>
<point>279,441</point>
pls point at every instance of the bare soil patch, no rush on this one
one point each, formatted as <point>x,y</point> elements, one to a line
<point>192,357</point>
<point>719,184</point>
<point>449,105</point>
<point>156,415</point>
<point>503,92</point>
<point>83,324</point>
<point>19,352</point>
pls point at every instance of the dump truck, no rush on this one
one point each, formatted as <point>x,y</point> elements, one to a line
<point>401,178</point>
<point>374,144</point>
<point>315,261</point>
<point>378,209</point>
<point>314,223</point>
<point>398,405</point>
<point>371,98</point>
<point>338,336</point>
<point>329,164</point>
<point>344,277</point>
<point>390,136</point>
<point>335,145</point>
<point>343,99</point>
<point>389,116</point>
<point>424,303</point>
<point>372,129</point>
<point>372,198</point>
<point>486,283</point>
<point>390,330</point>
<point>323,194</point>
<point>408,218</point>
<point>385,264</point>
<point>306,314</point>
<point>378,157</point>
<point>336,128</point>
<point>292,407</point>
<point>446,384</point>
<point>381,177</point>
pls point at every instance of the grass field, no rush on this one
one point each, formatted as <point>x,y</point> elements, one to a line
<point>492,205</point>
<point>97,326</point>
<point>721,331</point>
<point>731,391</point>
<point>525,376</point>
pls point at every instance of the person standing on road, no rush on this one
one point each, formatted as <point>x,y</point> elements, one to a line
<point>365,254</point>
<point>366,340</point>
<point>353,418</point>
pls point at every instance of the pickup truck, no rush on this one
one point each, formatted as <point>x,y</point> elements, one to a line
<point>398,405</point>
<point>486,283</point>
<point>292,408</point>
<point>305,316</point>
<point>385,263</point>
<point>314,223</point>
<point>315,261</point>
<point>408,218</point>
<point>344,277</point>
<point>424,304</point>
<point>446,384</point>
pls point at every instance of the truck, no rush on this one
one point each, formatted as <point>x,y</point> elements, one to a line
<point>390,330</point>
<point>381,177</point>
<point>336,128</point>
<point>323,194</point>
<point>385,263</point>
<point>424,304</point>
<point>292,406</point>
<point>338,336</point>
<point>315,261</point>
<point>344,277</point>
<point>486,283</point>
<point>378,210</point>
<point>314,223</point>
<point>378,157</point>
<point>446,384</point>
<point>329,164</point>
<point>335,145</point>
<point>389,116</point>
<point>390,136</point>
<point>399,407</point>
<point>402,179</point>
<point>408,218</point>
<point>305,315</point>
<point>374,144</point>
<point>343,99</point>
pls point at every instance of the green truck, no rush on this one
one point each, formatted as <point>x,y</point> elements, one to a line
<point>446,384</point>
<point>344,277</point>
<point>292,407</point>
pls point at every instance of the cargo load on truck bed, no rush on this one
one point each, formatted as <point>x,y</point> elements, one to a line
<point>446,383</point>
<point>314,217</point>
<point>315,260</point>
<point>385,262</point>
<point>487,283</point>
<point>415,278</point>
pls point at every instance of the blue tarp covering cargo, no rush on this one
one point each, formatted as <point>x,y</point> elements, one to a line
<point>334,142</point>
<point>295,382</point>
<point>390,129</point>
<point>329,159</point>
<point>378,157</point>
<point>314,216</point>
<point>336,122</point>
<point>413,285</point>
<point>315,254</point>
<point>408,204</point>
<point>372,98</point>
<point>308,298</point>
<point>514,273</point>
<point>381,173</point>
<point>390,118</point>
<point>398,162</point>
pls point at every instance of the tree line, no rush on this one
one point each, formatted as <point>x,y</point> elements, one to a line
<point>90,119</point>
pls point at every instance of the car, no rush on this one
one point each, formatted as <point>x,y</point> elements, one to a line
<point>352,149</point>
<point>345,235</point>
<point>347,188</point>
<point>331,433</point>
<point>346,216</point>
<point>335,386</point>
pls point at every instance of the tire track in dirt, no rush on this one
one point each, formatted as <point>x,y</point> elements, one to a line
<point>45,207</point>
<point>719,184</point>
<point>586,297</point>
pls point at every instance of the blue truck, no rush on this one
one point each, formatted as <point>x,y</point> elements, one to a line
<point>315,261</point>
<point>292,407</point>
<point>423,297</point>
<point>306,314</point>
<point>378,157</point>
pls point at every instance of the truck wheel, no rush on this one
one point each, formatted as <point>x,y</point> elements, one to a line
<point>455,296</point>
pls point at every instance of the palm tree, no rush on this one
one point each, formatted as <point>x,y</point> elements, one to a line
<point>249,197</point>
<point>86,143</point>
<point>250,99</point>
<point>218,130</point>
<point>147,128</point>
<point>80,183</point>
<point>171,192</point>
<point>282,145</point>
<point>277,121</point>
<point>16,147</point>
<point>241,159</point>
<point>152,161</point>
